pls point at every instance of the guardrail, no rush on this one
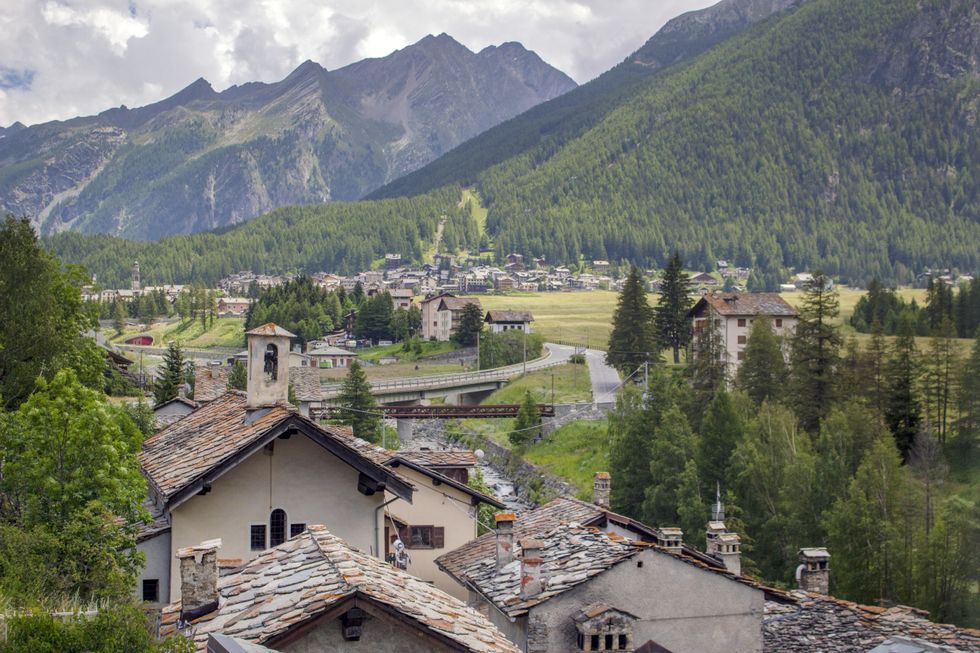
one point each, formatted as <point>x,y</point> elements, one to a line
<point>452,380</point>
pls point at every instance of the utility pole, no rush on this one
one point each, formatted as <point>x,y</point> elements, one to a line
<point>479,336</point>
<point>525,350</point>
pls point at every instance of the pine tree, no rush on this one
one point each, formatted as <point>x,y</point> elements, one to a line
<point>968,400</point>
<point>762,375</point>
<point>672,445</point>
<point>721,430</point>
<point>527,426</point>
<point>815,352</point>
<point>877,358</point>
<point>632,342</point>
<point>470,325</point>
<point>359,404</point>
<point>939,378</point>
<point>238,377</point>
<point>708,371</point>
<point>902,411</point>
<point>672,324</point>
<point>630,426</point>
<point>170,378</point>
<point>119,316</point>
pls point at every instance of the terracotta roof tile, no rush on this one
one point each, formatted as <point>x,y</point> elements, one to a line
<point>308,574</point>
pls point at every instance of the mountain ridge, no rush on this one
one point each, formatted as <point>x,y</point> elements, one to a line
<point>202,159</point>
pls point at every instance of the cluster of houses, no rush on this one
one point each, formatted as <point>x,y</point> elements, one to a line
<point>273,532</point>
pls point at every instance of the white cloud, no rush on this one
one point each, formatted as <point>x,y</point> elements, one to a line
<point>83,56</point>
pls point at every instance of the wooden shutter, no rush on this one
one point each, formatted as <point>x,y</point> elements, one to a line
<point>438,537</point>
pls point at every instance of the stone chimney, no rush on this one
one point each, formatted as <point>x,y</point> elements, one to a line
<point>532,582</point>
<point>813,573</point>
<point>268,366</point>
<point>720,542</point>
<point>505,538</point>
<point>198,579</point>
<point>601,484</point>
<point>671,538</point>
<point>214,367</point>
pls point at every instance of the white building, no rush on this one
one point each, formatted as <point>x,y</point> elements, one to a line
<point>500,321</point>
<point>733,315</point>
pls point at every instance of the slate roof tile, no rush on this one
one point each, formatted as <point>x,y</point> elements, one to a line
<point>308,574</point>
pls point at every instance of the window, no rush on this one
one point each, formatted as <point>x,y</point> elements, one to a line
<point>151,590</point>
<point>295,529</point>
<point>622,642</point>
<point>277,527</point>
<point>424,537</point>
<point>741,321</point>
<point>779,321</point>
<point>594,641</point>
<point>741,340</point>
<point>741,355</point>
<point>257,537</point>
<point>609,642</point>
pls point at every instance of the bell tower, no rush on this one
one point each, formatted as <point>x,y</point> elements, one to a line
<point>268,366</point>
<point>135,276</point>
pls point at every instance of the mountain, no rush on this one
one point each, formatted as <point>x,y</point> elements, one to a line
<point>202,159</point>
<point>540,130</point>
<point>836,134</point>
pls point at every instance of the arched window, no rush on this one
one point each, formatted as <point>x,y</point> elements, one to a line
<point>277,527</point>
<point>271,363</point>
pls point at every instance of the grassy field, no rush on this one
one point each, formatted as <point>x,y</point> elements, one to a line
<point>226,332</point>
<point>478,212</point>
<point>574,452</point>
<point>395,371</point>
<point>571,384</point>
<point>374,354</point>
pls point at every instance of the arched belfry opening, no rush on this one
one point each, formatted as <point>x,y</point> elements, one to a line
<point>268,366</point>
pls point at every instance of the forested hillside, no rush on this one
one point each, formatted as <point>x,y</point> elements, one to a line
<point>839,134</point>
<point>340,237</point>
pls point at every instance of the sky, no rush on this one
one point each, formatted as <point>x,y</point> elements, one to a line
<point>65,58</point>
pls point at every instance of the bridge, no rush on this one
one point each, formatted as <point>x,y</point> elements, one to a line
<point>439,412</point>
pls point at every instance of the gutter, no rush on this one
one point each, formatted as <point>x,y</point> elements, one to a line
<point>377,529</point>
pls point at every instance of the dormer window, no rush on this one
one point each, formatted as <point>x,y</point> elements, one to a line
<point>271,363</point>
<point>601,628</point>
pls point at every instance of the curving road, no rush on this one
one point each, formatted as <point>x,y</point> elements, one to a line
<point>605,379</point>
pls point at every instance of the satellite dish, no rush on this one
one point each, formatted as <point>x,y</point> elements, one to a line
<point>479,454</point>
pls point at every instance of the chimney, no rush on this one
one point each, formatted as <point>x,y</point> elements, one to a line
<point>813,573</point>
<point>505,538</point>
<point>601,484</point>
<point>215,369</point>
<point>671,538</point>
<point>198,579</point>
<point>532,583</point>
<point>720,542</point>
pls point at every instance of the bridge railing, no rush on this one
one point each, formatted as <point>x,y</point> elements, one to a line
<point>450,380</point>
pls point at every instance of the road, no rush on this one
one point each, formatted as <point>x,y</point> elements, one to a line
<point>605,379</point>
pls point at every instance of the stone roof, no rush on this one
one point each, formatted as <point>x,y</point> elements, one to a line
<point>270,329</point>
<point>310,574</point>
<point>217,434</point>
<point>752,303</point>
<point>306,383</point>
<point>509,316</point>
<point>208,387</point>
<point>431,458</point>
<point>331,351</point>
<point>571,554</point>
<point>822,623</point>
<point>451,303</point>
<point>224,644</point>
<point>158,522</point>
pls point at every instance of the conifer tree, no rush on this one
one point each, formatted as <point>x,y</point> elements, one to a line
<point>119,317</point>
<point>170,378</point>
<point>359,404</point>
<point>815,352</point>
<point>527,426</point>
<point>708,371</point>
<point>762,375</point>
<point>672,325</point>
<point>721,430</point>
<point>902,409</point>
<point>877,358</point>
<point>630,425</point>
<point>632,342</point>
<point>968,400</point>
<point>672,445</point>
<point>470,325</point>
<point>238,377</point>
<point>939,379</point>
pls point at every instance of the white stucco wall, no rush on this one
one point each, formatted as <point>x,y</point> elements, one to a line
<point>302,478</point>
<point>433,505</point>
<point>158,557</point>
<point>680,606</point>
<point>730,331</point>
<point>378,635</point>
